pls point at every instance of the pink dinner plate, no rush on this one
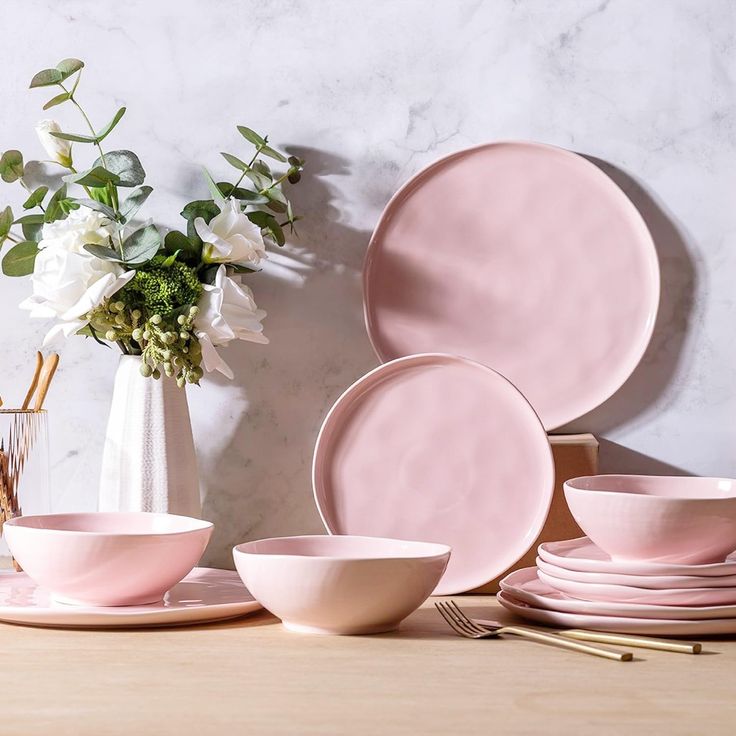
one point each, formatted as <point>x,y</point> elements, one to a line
<point>524,257</point>
<point>620,624</point>
<point>526,587</point>
<point>629,594</point>
<point>581,554</point>
<point>639,581</point>
<point>437,448</point>
<point>203,595</point>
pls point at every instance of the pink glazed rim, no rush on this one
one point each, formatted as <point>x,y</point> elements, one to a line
<point>581,484</point>
<point>195,524</point>
<point>416,179</point>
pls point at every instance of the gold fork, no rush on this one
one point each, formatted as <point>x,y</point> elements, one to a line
<point>463,626</point>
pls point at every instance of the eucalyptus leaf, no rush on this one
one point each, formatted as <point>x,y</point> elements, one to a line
<point>244,195</point>
<point>263,168</point>
<point>67,67</point>
<point>276,233</point>
<point>272,153</point>
<point>104,132</point>
<point>209,273</point>
<point>134,201</point>
<point>214,191</point>
<point>29,220</point>
<point>63,97</point>
<point>103,252</point>
<point>93,204</point>
<point>235,161</point>
<point>35,198</point>
<point>46,78</point>
<point>176,243</point>
<point>97,176</point>
<point>142,245</point>
<point>19,260</point>
<point>55,210</point>
<point>74,137</point>
<point>204,208</point>
<point>11,166</point>
<point>126,165</point>
<point>251,136</point>
<point>277,200</point>
<point>89,331</point>
<point>32,231</point>
<point>258,179</point>
<point>6,220</point>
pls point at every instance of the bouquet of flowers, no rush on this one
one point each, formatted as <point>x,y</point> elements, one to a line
<point>173,298</point>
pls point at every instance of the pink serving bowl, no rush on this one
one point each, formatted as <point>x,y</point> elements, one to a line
<point>107,559</point>
<point>340,584</point>
<point>667,519</point>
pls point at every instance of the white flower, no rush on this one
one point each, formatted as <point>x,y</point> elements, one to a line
<point>227,311</point>
<point>231,237</point>
<point>58,150</point>
<point>67,281</point>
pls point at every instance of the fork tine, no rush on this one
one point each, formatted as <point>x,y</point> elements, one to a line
<point>468,622</point>
<point>470,631</point>
<point>451,621</point>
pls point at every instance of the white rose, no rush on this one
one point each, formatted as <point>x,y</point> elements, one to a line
<point>67,281</point>
<point>57,149</point>
<point>227,311</point>
<point>231,237</point>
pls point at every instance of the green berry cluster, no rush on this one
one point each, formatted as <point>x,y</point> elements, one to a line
<point>171,346</point>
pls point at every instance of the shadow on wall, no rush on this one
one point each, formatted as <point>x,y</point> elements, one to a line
<point>259,485</point>
<point>656,372</point>
<point>615,458</point>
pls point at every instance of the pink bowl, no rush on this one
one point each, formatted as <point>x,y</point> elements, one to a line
<point>107,559</point>
<point>668,519</point>
<point>340,584</point>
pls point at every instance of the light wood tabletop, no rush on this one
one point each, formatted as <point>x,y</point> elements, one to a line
<point>250,676</point>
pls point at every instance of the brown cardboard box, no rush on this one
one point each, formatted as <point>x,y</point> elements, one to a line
<point>574,455</point>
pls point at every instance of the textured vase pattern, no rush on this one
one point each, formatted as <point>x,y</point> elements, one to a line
<point>149,462</point>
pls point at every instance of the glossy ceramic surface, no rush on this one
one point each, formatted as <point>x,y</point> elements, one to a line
<point>441,449</point>
<point>340,585</point>
<point>621,624</point>
<point>524,257</point>
<point>525,586</point>
<point>639,581</point>
<point>203,595</point>
<point>581,554</point>
<point>629,594</point>
<point>107,558</point>
<point>658,518</point>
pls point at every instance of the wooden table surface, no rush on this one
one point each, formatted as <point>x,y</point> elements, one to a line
<point>250,676</point>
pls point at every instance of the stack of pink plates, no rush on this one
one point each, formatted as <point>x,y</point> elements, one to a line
<point>576,584</point>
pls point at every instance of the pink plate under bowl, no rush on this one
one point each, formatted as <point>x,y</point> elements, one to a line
<point>657,518</point>
<point>524,257</point>
<point>107,558</point>
<point>441,449</point>
<point>340,584</point>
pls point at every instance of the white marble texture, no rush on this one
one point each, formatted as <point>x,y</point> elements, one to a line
<point>370,91</point>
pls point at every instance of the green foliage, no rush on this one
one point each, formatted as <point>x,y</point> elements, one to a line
<point>134,202</point>
<point>125,165</point>
<point>35,198</point>
<point>97,176</point>
<point>161,289</point>
<point>19,260</point>
<point>59,206</point>
<point>11,166</point>
<point>97,137</point>
<point>6,221</point>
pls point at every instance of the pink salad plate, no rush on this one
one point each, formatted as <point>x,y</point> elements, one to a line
<point>524,257</point>
<point>619,624</point>
<point>526,587</point>
<point>437,448</point>
<point>581,554</point>
<point>639,581</point>
<point>203,595</point>
<point>629,594</point>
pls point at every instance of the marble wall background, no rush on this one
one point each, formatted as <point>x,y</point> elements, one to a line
<point>369,91</point>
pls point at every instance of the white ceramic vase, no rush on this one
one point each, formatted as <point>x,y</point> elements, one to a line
<point>149,463</point>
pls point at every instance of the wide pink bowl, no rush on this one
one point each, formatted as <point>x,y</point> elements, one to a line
<point>340,584</point>
<point>644,517</point>
<point>107,559</point>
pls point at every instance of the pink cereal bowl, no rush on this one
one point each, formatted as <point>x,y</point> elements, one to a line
<point>657,518</point>
<point>107,559</point>
<point>340,584</point>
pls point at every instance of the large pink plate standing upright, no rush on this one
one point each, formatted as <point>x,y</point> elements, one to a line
<point>524,257</point>
<point>437,448</point>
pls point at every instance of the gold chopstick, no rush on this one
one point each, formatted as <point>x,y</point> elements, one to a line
<point>645,642</point>
<point>34,381</point>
